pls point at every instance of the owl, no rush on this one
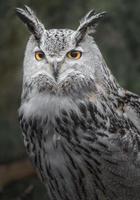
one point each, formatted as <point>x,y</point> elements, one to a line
<point>81,129</point>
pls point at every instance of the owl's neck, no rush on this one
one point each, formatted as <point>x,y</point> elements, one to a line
<point>104,85</point>
<point>43,104</point>
<point>105,81</point>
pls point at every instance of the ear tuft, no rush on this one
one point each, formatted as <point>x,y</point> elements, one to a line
<point>88,24</point>
<point>32,22</point>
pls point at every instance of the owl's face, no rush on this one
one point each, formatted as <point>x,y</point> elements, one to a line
<point>61,60</point>
<point>58,57</point>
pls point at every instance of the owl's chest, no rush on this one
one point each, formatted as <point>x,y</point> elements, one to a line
<point>68,144</point>
<point>54,119</point>
<point>48,122</point>
<point>58,144</point>
<point>51,124</point>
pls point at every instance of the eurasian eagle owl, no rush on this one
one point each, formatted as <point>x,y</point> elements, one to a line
<point>81,129</point>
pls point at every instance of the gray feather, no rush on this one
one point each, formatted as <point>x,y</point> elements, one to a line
<point>30,19</point>
<point>81,130</point>
<point>88,24</point>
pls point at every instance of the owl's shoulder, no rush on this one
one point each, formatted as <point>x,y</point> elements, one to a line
<point>132,108</point>
<point>132,99</point>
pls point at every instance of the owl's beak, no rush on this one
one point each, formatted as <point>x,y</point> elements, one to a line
<point>55,70</point>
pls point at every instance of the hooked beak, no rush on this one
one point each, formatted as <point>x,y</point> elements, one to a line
<point>55,70</point>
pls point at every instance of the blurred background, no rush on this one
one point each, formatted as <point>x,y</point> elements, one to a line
<point>119,40</point>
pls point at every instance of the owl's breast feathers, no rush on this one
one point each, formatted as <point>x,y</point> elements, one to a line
<point>85,148</point>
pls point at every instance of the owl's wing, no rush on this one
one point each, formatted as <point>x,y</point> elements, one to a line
<point>121,119</point>
<point>120,132</point>
<point>132,108</point>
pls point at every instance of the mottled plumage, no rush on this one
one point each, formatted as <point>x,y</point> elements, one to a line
<point>81,129</point>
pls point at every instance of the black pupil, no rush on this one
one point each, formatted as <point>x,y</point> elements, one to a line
<point>74,54</point>
<point>41,54</point>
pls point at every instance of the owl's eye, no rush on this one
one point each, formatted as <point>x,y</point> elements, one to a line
<point>39,55</point>
<point>74,54</point>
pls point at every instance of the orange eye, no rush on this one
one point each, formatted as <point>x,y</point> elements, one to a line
<point>39,55</point>
<point>74,54</point>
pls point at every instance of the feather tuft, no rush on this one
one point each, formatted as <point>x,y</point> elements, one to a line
<point>29,18</point>
<point>88,24</point>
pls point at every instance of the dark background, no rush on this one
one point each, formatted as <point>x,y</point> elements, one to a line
<point>118,38</point>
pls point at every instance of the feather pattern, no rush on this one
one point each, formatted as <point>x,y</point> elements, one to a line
<point>88,24</point>
<point>81,131</point>
<point>91,151</point>
<point>30,19</point>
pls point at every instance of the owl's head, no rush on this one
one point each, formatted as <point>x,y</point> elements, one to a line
<point>62,61</point>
